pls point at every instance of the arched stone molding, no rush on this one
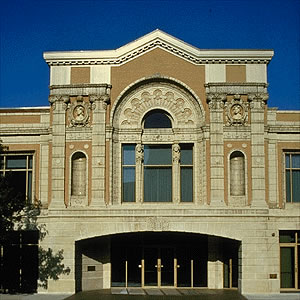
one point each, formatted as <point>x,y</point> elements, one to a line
<point>168,94</point>
<point>154,224</point>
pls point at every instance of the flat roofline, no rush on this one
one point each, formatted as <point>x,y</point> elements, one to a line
<point>289,111</point>
<point>24,109</point>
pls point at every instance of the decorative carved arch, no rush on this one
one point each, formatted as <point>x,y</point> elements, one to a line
<point>162,93</point>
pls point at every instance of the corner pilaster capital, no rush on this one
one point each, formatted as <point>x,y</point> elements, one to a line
<point>258,100</point>
<point>216,100</point>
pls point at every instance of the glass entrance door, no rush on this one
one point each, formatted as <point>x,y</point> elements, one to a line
<point>158,267</point>
<point>150,266</point>
<point>166,267</point>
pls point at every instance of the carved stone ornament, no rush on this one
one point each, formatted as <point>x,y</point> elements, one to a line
<point>258,100</point>
<point>176,153</point>
<point>139,153</point>
<point>157,224</point>
<point>79,113</point>
<point>236,112</point>
<point>216,100</point>
<point>158,96</point>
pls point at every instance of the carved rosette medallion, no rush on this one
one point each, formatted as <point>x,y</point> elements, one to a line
<point>168,98</point>
<point>236,112</point>
<point>79,113</point>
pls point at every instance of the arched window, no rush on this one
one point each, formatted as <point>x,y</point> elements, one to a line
<point>78,174</point>
<point>237,174</point>
<point>157,118</point>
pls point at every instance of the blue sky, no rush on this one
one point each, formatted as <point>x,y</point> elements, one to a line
<point>30,27</point>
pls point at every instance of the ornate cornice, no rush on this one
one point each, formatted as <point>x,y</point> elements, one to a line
<point>158,39</point>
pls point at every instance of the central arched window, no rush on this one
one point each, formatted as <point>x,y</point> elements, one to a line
<point>157,118</point>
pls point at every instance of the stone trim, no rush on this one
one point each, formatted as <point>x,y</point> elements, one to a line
<point>241,88</point>
<point>80,89</point>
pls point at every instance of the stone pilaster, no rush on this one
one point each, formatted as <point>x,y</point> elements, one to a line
<point>59,105</point>
<point>99,104</point>
<point>216,106</point>
<point>139,158</point>
<point>257,105</point>
<point>176,172</point>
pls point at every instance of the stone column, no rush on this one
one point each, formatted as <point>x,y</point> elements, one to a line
<point>99,104</point>
<point>58,105</point>
<point>176,173</point>
<point>257,106</point>
<point>216,106</point>
<point>139,159</point>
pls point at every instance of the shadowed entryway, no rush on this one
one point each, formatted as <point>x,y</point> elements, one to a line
<point>149,260</point>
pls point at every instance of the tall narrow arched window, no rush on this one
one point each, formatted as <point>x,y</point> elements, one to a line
<point>78,174</point>
<point>157,118</point>
<point>237,174</point>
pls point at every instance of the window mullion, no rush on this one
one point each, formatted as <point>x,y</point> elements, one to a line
<point>139,174</point>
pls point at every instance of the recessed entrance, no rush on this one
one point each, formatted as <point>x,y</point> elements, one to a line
<point>159,260</point>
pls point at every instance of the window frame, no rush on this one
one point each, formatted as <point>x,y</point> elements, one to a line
<point>290,170</point>
<point>29,195</point>
<point>296,246</point>
<point>139,167</point>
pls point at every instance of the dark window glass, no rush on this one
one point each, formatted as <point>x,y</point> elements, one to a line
<point>157,184</point>
<point>128,184</point>
<point>292,177</point>
<point>128,173</point>
<point>287,236</point>
<point>157,155</point>
<point>287,267</point>
<point>186,172</point>
<point>288,186</point>
<point>128,154</point>
<point>16,162</point>
<point>186,179</point>
<point>296,185</point>
<point>186,154</point>
<point>296,161</point>
<point>157,119</point>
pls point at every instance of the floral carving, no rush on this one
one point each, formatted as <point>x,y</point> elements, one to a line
<point>157,97</point>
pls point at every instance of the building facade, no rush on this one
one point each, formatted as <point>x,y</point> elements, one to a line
<point>160,165</point>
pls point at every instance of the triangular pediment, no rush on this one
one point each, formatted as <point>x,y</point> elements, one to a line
<point>153,40</point>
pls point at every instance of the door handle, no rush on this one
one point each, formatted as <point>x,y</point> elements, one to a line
<point>140,266</point>
<point>178,266</point>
